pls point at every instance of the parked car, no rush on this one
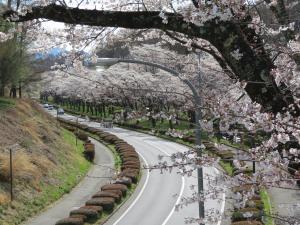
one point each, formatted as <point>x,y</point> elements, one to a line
<point>50,107</point>
<point>46,105</point>
<point>60,111</point>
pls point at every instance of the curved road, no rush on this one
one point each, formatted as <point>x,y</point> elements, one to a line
<point>157,194</point>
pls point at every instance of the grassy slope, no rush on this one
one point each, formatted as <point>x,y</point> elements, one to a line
<point>267,207</point>
<point>47,162</point>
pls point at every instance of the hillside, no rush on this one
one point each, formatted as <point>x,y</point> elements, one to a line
<point>46,161</point>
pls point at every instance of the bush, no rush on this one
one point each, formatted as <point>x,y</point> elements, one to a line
<point>89,146</point>
<point>99,209</point>
<point>116,196</point>
<point>130,166</point>
<point>91,214</point>
<point>83,217</point>
<point>130,158</point>
<point>70,221</point>
<point>89,155</point>
<point>106,202</point>
<point>124,180</point>
<point>254,214</point>
<point>255,203</point>
<point>82,136</point>
<point>121,187</point>
<point>93,130</point>
<point>89,151</point>
<point>118,192</point>
<point>132,174</point>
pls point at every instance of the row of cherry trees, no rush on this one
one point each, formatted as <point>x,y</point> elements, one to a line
<point>249,77</point>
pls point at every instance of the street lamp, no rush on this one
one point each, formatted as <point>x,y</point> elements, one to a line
<point>107,62</point>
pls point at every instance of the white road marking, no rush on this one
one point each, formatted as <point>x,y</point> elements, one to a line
<point>177,201</point>
<point>139,195</point>
<point>181,189</point>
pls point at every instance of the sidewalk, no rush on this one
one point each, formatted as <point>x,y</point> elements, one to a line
<point>82,192</point>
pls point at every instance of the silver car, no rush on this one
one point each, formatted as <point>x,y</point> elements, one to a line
<point>60,111</point>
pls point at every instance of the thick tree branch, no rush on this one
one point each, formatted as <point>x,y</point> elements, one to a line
<point>218,58</point>
<point>228,37</point>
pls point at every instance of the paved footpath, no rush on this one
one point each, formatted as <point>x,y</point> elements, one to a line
<point>83,191</point>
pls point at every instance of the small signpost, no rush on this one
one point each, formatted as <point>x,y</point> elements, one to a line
<point>11,175</point>
<point>76,130</point>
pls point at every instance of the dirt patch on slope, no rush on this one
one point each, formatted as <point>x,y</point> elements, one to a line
<point>39,151</point>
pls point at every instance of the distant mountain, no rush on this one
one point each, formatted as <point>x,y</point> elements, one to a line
<point>52,53</point>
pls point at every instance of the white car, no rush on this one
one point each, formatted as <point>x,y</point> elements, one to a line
<point>60,111</point>
<point>46,105</point>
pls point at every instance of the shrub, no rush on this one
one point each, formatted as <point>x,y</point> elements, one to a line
<point>89,146</point>
<point>254,214</point>
<point>255,203</point>
<point>127,154</point>
<point>124,180</point>
<point>132,174</point>
<point>83,217</point>
<point>118,192</point>
<point>70,221</point>
<point>99,209</point>
<point>106,202</point>
<point>82,136</point>
<point>90,214</point>
<point>89,151</point>
<point>130,166</point>
<point>121,187</point>
<point>116,196</point>
<point>93,130</point>
<point>130,158</point>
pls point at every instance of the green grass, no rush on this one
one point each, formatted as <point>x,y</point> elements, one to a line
<point>118,163</point>
<point>66,178</point>
<point>183,125</point>
<point>117,158</point>
<point>267,207</point>
<point>227,167</point>
<point>6,103</point>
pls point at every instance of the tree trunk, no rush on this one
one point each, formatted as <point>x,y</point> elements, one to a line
<point>20,89</point>
<point>13,92</point>
<point>2,91</point>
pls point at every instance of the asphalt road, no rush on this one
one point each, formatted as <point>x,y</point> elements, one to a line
<point>157,194</point>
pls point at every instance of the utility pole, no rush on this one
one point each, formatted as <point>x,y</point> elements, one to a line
<point>197,103</point>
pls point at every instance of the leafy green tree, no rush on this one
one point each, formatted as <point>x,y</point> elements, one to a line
<point>14,62</point>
